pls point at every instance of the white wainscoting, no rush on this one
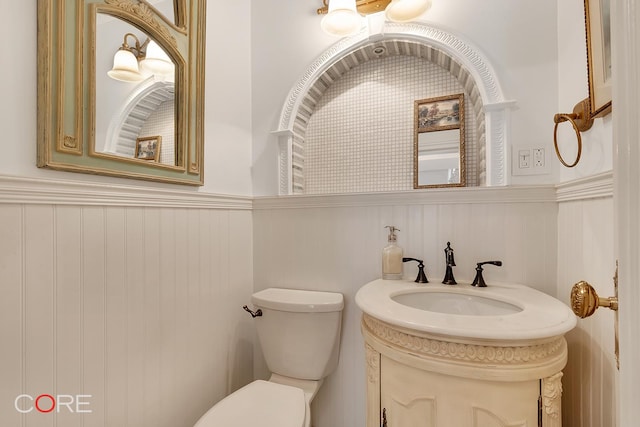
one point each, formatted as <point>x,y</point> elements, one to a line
<point>334,243</point>
<point>548,238</point>
<point>130,295</point>
<point>133,295</point>
<point>586,251</point>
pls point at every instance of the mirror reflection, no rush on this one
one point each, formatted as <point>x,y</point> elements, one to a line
<point>439,142</point>
<point>135,94</point>
<point>120,88</point>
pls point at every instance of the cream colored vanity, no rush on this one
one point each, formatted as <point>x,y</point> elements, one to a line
<point>451,356</point>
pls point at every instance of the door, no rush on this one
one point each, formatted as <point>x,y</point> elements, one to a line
<point>625,26</point>
<point>413,397</point>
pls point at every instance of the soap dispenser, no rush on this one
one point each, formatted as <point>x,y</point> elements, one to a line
<point>392,257</point>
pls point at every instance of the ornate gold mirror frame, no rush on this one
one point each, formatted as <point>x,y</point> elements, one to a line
<point>597,14</point>
<point>438,145</point>
<point>67,86</point>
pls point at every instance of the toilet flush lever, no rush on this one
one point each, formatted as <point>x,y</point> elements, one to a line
<point>253,314</point>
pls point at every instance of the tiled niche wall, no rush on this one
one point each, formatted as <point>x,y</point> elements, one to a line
<point>360,136</point>
<point>162,122</point>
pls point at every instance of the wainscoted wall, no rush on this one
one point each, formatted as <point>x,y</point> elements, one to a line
<point>133,296</point>
<point>335,243</point>
<point>130,295</point>
<point>586,252</point>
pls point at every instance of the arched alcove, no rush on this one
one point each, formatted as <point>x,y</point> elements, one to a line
<point>458,57</point>
<point>151,99</point>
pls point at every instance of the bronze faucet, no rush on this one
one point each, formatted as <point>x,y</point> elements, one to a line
<point>479,280</point>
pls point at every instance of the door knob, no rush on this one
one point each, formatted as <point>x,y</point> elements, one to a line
<point>585,301</point>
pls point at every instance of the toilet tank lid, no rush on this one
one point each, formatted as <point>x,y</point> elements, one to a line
<point>297,300</point>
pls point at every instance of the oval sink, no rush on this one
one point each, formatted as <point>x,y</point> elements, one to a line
<point>498,312</point>
<point>456,303</point>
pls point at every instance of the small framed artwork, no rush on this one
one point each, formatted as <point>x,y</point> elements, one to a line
<point>440,113</point>
<point>148,148</point>
<point>598,27</point>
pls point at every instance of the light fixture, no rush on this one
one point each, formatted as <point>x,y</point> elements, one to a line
<point>125,61</point>
<point>341,15</point>
<point>342,18</point>
<point>364,7</point>
<point>406,10</point>
<point>156,61</point>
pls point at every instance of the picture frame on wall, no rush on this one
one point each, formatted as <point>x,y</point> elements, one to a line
<point>148,148</point>
<point>598,37</point>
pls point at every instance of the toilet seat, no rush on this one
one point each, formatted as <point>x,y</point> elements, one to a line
<point>261,403</point>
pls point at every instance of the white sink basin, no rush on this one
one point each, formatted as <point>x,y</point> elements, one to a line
<point>497,312</point>
<point>456,303</point>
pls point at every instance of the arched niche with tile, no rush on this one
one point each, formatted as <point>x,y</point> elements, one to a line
<point>456,58</point>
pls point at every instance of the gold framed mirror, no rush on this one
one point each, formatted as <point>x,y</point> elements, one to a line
<point>598,31</point>
<point>438,146</point>
<point>112,73</point>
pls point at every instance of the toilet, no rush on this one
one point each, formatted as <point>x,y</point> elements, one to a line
<point>299,333</point>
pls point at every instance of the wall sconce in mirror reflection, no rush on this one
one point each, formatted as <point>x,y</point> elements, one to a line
<point>144,105</point>
<point>344,17</point>
<point>140,61</point>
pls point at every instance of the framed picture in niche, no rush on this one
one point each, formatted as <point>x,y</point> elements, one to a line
<point>440,113</point>
<point>148,148</point>
<point>598,34</point>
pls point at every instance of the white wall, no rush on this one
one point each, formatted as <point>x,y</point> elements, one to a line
<point>111,288</point>
<point>130,296</point>
<point>227,100</point>
<point>585,237</point>
<point>573,87</point>
<point>334,243</point>
<point>519,39</point>
<point>538,51</point>
<point>538,54</point>
<point>586,252</point>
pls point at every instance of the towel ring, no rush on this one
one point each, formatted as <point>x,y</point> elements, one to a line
<point>581,121</point>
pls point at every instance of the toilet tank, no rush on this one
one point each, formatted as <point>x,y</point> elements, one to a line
<point>299,331</point>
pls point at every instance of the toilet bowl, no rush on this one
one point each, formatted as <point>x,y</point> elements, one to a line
<point>260,403</point>
<point>299,333</point>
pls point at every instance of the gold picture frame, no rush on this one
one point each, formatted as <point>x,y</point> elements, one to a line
<point>148,148</point>
<point>598,35</point>
<point>439,142</point>
<point>441,113</point>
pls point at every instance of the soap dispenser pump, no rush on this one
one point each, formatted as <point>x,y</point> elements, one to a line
<point>392,257</point>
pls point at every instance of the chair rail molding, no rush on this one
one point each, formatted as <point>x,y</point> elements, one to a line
<point>24,190</point>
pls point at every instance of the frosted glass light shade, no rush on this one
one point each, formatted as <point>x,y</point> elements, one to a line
<point>156,60</point>
<point>342,19</point>
<point>125,67</point>
<point>406,10</point>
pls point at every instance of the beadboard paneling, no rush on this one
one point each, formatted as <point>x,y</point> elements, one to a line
<point>139,305</point>
<point>338,248</point>
<point>130,304</point>
<point>586,252</point>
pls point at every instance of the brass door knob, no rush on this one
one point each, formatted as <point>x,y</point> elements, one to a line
<point>585,301</point>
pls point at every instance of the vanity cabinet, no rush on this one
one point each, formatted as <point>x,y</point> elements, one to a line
<point>417,379</point>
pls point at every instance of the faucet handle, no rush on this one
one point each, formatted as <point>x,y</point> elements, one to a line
<point>479,280</point>
<point>422,277</point>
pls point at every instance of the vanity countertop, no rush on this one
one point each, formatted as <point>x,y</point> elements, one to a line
<point>500,311</point>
